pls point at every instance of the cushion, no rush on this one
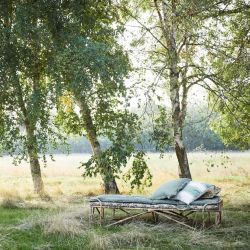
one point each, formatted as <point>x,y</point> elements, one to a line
<point>192,191</point>
<point>121,198</point>
<point>169,189</point>
<point>128,199</point>
<point>212,192</point>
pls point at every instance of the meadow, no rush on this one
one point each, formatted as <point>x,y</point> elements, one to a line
<point>61,222</point>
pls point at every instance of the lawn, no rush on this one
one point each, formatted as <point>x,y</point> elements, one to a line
<point>62,222</point>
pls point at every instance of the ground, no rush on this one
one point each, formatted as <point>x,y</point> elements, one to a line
<point>62,222</point>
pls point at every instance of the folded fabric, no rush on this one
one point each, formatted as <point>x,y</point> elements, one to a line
<point>192,191</point>
<point>169,189</point>
<point>211,193</point>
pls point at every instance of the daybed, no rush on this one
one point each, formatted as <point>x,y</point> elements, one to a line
<point>174,210</point>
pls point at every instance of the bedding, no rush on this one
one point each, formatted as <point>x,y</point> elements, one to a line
<point>169,189</point>
<point>192,191</point>
<point>144,200</point>
<point>212,192</point>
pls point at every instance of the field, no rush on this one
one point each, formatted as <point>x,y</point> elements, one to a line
<point>61,222</point>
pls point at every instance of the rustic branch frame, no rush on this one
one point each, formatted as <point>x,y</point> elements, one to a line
<point>178,214</point>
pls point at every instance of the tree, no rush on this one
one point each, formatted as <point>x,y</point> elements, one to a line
<point>180,53</point>
<point>25,96</point>
<point>172,34</point>
<point>90,70</point>
<point>230,91</point>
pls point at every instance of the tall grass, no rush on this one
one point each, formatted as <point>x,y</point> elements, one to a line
<point>26,222</point>
<point>62,177</point>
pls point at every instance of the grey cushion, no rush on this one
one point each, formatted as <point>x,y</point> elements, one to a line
<point>212,192</point>
<point>169,189</point>
<point>112,198</point>
<point>121,198</point>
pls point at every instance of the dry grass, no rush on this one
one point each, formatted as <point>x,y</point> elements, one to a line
<point>74,223</point>
<point>63,178</point>
<point>63,222</point>
<point>10,203</point>
<point>131,239</point>
<point>68,226</point>
<point>69,223</point>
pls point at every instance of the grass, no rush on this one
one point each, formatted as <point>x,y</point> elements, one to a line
<point>69,229</point>
<point>27,222</point>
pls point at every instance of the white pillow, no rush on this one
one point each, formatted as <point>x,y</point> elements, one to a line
<point>192,191</point>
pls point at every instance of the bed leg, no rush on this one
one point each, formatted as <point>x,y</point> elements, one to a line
<point>91,213</point>
<point>100,219</point>
<point>155,216</point>
<point>203,220</point>
<point>218,218</point>
<point>102,213</point>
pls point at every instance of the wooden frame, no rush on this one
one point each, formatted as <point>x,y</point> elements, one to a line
<point>176,213</point>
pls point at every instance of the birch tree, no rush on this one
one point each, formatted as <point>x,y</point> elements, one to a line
<point>25,97</point>
<point>183,51</point>
<point>89,71</point>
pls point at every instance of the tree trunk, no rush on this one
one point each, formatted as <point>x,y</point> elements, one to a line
<point>184,171</point>
<point>110,185</point>
<point>169,29</point>
<point>109,182</point>
<point>31,147</point>
<point>36,174</point>
<point>30,136</point>
<point>34,162</point>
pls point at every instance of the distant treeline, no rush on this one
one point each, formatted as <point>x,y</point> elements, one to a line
<point>204,139</point>
<point>197,136</point>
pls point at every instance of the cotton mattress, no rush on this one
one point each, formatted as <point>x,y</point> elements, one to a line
<point>144,202</point>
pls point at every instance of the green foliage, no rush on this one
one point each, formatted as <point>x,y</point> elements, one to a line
<point>66,116</point>
<point>91,67</point>
<point>197,132</point>
<point>123,133</point>
<point>230,96</point>
<point>162,131</point>
<point>89,70</point>
<point>26,95</point>
<point>233,126</point>
<point>139,174</point>
<point>212,41</point>
<point>222,161</point>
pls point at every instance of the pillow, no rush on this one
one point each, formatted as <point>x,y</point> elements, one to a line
<point>212,191</point>
<point>192,191</point>
<point>169,189</point>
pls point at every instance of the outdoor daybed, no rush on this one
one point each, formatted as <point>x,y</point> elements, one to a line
<point>174,210</point>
